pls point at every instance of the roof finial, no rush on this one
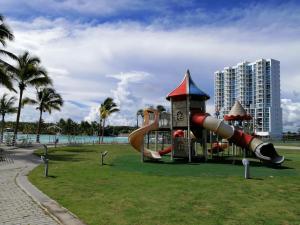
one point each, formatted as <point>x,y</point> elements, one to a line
<point>188,72</point>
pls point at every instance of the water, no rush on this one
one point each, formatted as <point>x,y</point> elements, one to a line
<point>66,139</point>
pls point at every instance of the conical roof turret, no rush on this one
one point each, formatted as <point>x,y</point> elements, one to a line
<point>237,112</point>
<point>187,87</point>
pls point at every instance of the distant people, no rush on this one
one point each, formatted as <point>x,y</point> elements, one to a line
<point>56,142</point>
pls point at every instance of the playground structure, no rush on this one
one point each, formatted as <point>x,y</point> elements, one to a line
<point>189,123</point>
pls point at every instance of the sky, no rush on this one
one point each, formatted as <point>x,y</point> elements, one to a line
<point>137,51</point>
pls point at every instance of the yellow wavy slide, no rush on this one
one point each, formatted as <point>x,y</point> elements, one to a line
<point>136,138</point>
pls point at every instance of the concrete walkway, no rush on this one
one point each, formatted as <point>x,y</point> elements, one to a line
<point>20,201</point>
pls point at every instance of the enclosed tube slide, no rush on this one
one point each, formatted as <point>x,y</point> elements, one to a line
<point>263,151</point>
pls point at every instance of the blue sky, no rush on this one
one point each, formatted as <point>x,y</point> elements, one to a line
<point>137,51</point>
<point>142,11</point>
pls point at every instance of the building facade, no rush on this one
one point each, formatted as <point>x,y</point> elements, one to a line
<point>256,86</point>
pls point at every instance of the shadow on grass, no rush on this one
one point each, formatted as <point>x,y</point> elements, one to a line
<point>79,150</point>
<point>255,178</point>
<point>51,176</point>
<point>279,167</point>
<point>108,164</point>
<point>174,162</point>
<point>66,157</point>
<point>220,160</point>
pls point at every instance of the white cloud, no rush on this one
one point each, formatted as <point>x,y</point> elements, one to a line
<point>291,114</point>
<point>80,55</point>
<point>93,114</point>
<point>123,97</point>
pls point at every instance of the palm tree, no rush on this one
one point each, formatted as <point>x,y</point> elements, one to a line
<point>5,34</point>
<point>27,72</point>
<point>160,108</point>
<point>6,107</point>
<point>106,109</point>
<point>47,99</point>
<point>140,112</point>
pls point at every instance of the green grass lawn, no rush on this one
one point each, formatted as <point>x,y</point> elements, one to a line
<point>126,191</point>
<point>286,143</point>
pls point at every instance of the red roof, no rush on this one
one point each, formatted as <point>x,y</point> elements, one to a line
<point>187,87</point>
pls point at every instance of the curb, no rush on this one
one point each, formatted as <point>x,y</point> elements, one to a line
<point>57,212</point>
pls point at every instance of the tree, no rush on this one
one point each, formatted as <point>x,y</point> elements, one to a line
<point>27,72</point>
<point>47,99</point>
<point>140,112</point>
<point>6,107</point>
<point>160,108</point>
<point>106,109</point>
<point>5,34</point>
<point>95,130</point>
<point>62,124</point>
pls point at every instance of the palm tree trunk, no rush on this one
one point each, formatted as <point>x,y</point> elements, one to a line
<point>18,117</point>
<point>2,128</point>
<point>102,135</point>
<point>137,121</point>
<point>99,132</point>
<point>39,128</point>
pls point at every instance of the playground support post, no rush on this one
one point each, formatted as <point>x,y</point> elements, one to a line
<point>204,138</point>
<point>142,151</point>
<point>189,128</point>
<point>172,140</point>
<point>156,140</point>
<point>211,142</point>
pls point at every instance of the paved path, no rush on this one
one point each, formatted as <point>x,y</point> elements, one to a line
<point>16,207</point>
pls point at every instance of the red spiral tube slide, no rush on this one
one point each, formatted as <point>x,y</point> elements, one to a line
<point>263,151</point>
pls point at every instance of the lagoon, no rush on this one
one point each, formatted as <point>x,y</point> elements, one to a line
<point>67,139</point>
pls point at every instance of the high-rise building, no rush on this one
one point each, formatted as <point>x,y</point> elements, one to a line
<point>256,86</point>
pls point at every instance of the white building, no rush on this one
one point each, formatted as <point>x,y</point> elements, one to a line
<point>257,86</point>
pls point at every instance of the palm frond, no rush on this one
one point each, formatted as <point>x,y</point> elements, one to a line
<point>5,32</point>
<point>9,54</point>
<point>39,81</point>
<point>48,99</point>
<point>28,101</point>
<point>108,107</point>
<point>6,80</point>
<point>7,104</point>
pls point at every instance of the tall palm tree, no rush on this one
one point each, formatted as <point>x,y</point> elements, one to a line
<point>5,34</point>
<point>47,99</point>
<point>27,72</point>
<point>140,112</point>
<point>6,107</point>
<point>106,109</point>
